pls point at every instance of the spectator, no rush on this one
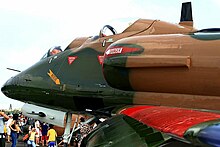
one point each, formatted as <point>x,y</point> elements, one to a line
<point>3,116</point>
<point>14,130</point>
<point>21,122</point>
<point>37,128</point>
<point>85,129</point>
<point>44,133</point>
<point>51,134</point>
<point>7,127</point>
<point>31,140</point>
<point>37,123</point>
<point>30,128</point>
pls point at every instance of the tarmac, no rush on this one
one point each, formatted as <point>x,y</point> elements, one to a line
<point>20,143</point>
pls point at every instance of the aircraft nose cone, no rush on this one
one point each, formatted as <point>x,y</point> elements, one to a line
<point>8,85</point>
<point>3,89</point>
<point>11,86</point>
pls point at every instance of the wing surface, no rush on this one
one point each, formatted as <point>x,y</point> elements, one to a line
<point>157,126</point>
<point>196,127</point>
<point>122,130</point>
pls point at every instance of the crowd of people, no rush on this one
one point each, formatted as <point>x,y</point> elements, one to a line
<point>12,126</point>
<point>41,134</point>
<point>35,133</point>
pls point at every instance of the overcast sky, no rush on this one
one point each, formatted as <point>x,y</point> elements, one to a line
<point>28,28</point>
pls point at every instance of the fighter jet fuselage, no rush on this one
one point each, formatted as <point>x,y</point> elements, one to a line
<point>142,69</point>
<point>150,62</point>
<point>150,73</point>
<point>71,80</point>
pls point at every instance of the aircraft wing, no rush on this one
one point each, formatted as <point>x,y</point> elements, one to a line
<point>158,126</point>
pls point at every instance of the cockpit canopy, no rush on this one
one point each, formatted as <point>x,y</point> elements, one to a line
<point>52,51</point>
<point>107,30</point>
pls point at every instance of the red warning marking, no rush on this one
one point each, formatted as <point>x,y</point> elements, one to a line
<point>101,59</point>
<point>71,59</point>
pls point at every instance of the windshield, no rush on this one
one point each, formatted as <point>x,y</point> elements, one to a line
<point>52,51</point>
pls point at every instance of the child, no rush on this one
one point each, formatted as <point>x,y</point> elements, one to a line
<point>52,134</point>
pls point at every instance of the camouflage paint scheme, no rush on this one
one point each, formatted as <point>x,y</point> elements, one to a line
<point>172,70</point>
<point>151,63</point>
<point>82,78</point>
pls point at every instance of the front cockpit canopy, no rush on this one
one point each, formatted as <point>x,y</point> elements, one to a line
<point>52,51</point>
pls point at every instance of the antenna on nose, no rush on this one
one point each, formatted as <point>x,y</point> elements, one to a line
<point>13,69</point>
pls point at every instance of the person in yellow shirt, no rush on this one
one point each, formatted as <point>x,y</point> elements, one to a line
<point>5,129</point>
<point>52,134</point>
<point>31,140</point>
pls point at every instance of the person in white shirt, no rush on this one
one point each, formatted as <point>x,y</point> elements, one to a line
<point>7,127</point>
<point>3,116</point>
<point>37,128</point>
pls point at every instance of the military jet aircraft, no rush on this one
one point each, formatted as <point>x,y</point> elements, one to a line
<point>158,81</point>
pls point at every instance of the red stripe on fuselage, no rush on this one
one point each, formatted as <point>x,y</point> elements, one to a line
<point>118,50</point>
<point>169,120</point>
